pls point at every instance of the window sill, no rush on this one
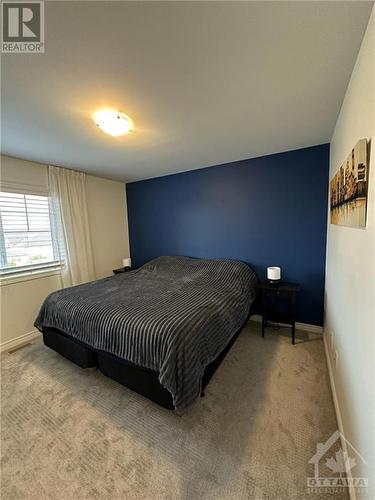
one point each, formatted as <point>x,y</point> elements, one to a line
<point>29,275</point>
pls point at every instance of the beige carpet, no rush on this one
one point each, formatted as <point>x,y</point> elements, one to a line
<point>69,433</point>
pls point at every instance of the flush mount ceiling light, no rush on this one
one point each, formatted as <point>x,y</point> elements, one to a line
<point>113,122</point>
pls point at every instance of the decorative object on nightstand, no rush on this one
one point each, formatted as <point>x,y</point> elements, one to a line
<point>279,304</point>
<point>127,262</point>
<point>127,266</point>
<point>274,275</point>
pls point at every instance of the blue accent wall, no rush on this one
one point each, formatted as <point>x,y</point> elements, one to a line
<point>267,211</point>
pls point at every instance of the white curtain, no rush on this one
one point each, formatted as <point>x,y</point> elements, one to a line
<point>70,225</point>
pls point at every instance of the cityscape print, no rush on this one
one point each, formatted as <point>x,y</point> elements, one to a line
<point>348,189</point>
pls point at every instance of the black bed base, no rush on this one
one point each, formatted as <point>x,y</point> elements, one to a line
<point>139,379</point>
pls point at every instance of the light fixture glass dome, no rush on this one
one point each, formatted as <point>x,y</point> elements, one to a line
<point>113,122</point>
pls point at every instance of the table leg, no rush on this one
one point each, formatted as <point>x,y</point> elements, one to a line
<point>294,299</point>
<point>263,311</point>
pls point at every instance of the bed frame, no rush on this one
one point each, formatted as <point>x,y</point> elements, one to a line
<point>139,379</point>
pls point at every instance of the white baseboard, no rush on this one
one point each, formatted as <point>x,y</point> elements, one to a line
<point>340,425</point>
<point>299,326</point>
<point>22,339</point>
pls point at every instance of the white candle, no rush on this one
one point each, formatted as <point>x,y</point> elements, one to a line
<point>127,262</point>
<point>274,273</point>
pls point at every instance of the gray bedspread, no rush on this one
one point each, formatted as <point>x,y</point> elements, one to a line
<point>174,315</point>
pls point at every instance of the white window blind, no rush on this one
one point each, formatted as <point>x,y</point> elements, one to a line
<point>26,240</point>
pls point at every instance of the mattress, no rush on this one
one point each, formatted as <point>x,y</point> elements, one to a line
<point>173,315</point>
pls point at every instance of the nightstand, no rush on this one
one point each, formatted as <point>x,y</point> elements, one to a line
<point>122,270</point>
<point>279,304</point>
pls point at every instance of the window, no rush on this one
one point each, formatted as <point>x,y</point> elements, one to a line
<point>26,240</point>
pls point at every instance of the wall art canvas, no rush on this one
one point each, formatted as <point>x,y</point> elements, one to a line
<point>348,189</point>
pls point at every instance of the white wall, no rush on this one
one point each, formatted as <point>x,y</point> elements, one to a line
<point>106,199</point>
<point>21,301</point>
<point>350,273</point>
<point>22,174</point>
<point>108,219</point>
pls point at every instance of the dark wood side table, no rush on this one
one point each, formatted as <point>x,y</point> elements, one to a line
<point>122,270</point>
<point>279,304</point>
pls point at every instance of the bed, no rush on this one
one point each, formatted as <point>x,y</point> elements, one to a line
<point>161,330</point>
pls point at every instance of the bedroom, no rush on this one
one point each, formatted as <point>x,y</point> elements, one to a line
<point>187,250</point>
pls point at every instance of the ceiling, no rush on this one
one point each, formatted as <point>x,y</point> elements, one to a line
<point>204,82</point>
